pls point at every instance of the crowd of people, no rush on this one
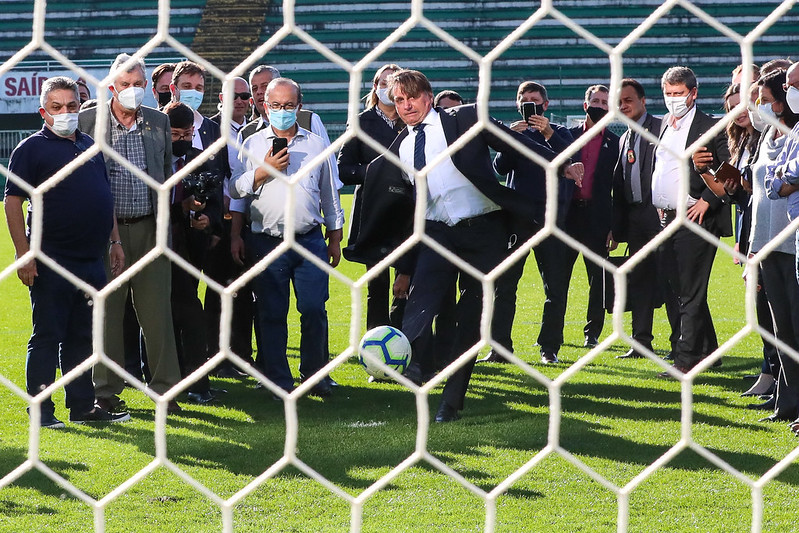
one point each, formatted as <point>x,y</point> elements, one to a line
<point>234,208</point>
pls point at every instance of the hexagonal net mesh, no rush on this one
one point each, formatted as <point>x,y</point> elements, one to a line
<point>355,70</point>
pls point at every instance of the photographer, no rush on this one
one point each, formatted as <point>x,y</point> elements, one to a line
<point>196,218</point>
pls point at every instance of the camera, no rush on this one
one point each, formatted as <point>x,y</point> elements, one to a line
<point>201,185</point>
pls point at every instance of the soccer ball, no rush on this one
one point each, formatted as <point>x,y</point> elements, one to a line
<point>388,345</point>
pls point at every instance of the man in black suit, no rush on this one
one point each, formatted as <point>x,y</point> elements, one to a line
<point>588,217</point>
<point>466,209</point>
<point>687,257</point>
<point>635,220</point>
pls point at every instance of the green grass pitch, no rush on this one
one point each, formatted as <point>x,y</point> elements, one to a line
<point>617,418</point>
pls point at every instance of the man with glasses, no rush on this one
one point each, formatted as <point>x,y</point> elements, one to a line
<point>317,187</point>
<point>142,136</point>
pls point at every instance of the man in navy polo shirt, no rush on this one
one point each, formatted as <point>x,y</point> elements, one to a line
<point>77,220</point>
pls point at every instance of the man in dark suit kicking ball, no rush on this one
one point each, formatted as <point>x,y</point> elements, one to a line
<point>466,212</point>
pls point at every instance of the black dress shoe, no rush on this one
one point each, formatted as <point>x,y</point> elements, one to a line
<point>631,354</point>
<point>590,342</point>
<point>201,397</point>
<point>414,374</point>
<point>321,389</point>
<point>669,356</point>
<point>493,357</point>
<point>777,417</point>
<point>446,413</point>
<point>549,358</point>
<point>768,405</point>
<point>667,375</point>
<point>330,381</point>
<point>229,372</point>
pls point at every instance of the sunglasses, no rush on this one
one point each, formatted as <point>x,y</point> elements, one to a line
<point>242,96</point>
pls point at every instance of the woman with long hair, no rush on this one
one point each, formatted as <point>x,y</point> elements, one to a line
<point>380,122</point>
<point>778,268</point>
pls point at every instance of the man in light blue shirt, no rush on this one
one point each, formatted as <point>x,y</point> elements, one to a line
<point>315,187</point>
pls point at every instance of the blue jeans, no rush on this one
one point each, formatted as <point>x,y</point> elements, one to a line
<point>62,332</point>
<point>271,289</point>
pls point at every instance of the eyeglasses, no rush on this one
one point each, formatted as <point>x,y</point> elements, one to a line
<point>785,86</point>
<point>274,106</point>
<point>242,96</point>
<point>177,136</point>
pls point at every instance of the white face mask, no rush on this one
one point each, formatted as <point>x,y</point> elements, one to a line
<point>677,105</point>
<point>766,111</point>
<point>792,97</point>
<point>757,122</point>
<point>382,95</point>
<point>64,124</point>
<point>131,97</point>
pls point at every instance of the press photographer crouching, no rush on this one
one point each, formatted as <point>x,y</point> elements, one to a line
<point>196,220</point>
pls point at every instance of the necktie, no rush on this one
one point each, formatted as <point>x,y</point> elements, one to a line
<point>632,169</point>
<point>418,147</point>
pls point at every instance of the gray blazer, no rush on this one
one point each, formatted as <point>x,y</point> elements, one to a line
<point>157,137</point>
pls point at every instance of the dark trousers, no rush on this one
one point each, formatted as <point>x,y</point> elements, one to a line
<point>783,295</point>
<point>188,320</point>
<point>771,358</point>
<point>505,293</point>
<point>272,288</point>
<point>581,224</point>
<point>381,309</point>
<point>648,286</point>
<point>480,241</point>
<point>549,256</point>
<point>62,332</point>
<point>688,260</point>
<point>221,268</point>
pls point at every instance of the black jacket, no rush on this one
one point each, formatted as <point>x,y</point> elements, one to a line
<point>645,158</point>
<point>529,178</point>
<point>717,219</point>
<point>600,207</point>
<point>390,197</point>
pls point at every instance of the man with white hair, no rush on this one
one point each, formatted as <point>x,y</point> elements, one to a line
<point>143,136</point>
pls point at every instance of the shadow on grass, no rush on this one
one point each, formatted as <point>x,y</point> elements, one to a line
<point>12,457</point>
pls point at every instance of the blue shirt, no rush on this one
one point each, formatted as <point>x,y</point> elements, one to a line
<point>78,212</point>
<point>785,170</point>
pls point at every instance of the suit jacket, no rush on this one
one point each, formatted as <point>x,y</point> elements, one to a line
<point>355,156</point>
<point>645,159</point>
<point>157,138</point>
<point>600,208</point>
<point>717,219</point>
<point>390,197</point>
<point>217,163</point>
<point>529,178</point>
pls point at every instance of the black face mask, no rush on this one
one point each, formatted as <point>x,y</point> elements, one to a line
<point>164,98</point>
<point>596,113</point>
<point>180,148</point>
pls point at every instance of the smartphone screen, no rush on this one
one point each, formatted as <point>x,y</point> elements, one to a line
<point>278,143</point>
<point>531,108</point>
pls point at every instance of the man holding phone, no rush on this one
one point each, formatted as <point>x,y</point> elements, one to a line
<point>529,179</point>
<point>289,149</point>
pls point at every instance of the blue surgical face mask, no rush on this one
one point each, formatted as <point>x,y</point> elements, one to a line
<point>191,98</point>
<point>282,119</point>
